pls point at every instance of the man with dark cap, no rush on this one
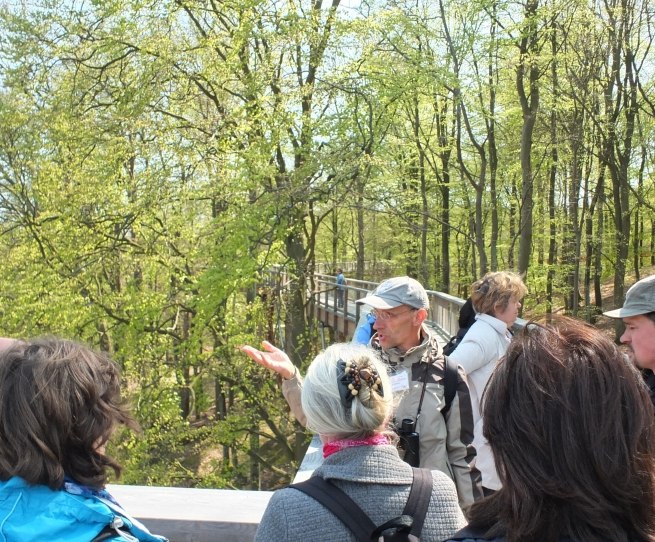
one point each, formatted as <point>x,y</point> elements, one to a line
<point>417,370</point>
<point>638,314</point>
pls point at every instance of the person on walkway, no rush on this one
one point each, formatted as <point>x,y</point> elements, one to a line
<point>341,287</point>
<point>411,353</point>
<point>359,455</point>
<point>59,404</point>
<point>638,314</point>
<point>496,298</point>
<point>572,429</point>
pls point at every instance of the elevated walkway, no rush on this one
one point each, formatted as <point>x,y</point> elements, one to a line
<point>223,515</point>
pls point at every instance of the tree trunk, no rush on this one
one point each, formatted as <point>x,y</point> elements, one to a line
<point>529,99</point>
<point>295,342</point>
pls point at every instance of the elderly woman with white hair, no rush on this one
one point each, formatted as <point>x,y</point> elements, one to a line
<point>347,399</point>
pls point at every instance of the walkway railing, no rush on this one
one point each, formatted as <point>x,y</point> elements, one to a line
<point>195,515</point>
<point>442,315</point>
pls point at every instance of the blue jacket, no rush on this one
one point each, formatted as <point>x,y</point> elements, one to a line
<point>37,513</point>
<point>364,330</point>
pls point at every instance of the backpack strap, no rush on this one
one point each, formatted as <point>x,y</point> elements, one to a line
<point>449,383</point>
<point>105,534</point>
<point>416,508</point>
<point>419,499</point>
<point>340,504</point>
<point>353,517</point>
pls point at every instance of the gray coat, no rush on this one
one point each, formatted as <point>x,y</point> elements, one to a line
<point>378,481</point>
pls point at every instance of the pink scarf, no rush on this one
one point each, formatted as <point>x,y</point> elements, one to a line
<point>334,446</point>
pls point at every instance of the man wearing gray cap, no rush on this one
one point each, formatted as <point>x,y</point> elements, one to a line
<point>638,314</point>
<point>417,368</point>
<point>412,352</point>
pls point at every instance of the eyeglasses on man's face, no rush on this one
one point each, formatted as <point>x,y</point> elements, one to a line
<point>386,315</point>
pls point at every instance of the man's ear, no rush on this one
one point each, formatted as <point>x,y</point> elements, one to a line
<point>420,316</point>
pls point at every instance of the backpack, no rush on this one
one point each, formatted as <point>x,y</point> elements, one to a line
<point>404,528</point>
<point>452,343</point>
<point>466,320</point>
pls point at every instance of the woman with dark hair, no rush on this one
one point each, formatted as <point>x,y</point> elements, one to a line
<point>59,405</point>
<point>571,426</point>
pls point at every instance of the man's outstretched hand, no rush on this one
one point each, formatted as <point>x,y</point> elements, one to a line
<point>272,358</point>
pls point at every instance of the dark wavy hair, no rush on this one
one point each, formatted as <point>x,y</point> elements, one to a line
<point>59,404</point>
<point>572,430</point>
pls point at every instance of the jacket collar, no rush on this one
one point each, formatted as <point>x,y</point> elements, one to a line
<point>498,325</point>
<point>395,356</point>
<point>367,464</point>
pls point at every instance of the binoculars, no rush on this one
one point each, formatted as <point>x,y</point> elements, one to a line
<point>409,442</point>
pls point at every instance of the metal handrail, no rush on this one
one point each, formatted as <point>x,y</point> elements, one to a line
<point>443,314</point>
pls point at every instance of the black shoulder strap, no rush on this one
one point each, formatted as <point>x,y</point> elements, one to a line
<point>419,499</point>
<point>416,508</point>
<point>340,504</point>
<point>449,383</point>
<point>353,517</point>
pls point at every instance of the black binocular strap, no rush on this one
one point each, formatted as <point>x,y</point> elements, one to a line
<point>449,386</point>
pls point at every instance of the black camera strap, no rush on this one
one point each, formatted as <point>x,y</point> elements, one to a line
<point>449,384</point>
<point>420,402</point>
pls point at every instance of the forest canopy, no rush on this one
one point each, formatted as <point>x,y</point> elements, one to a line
<point>158,159</point>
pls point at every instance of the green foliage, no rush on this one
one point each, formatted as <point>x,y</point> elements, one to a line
<point>157,159</point>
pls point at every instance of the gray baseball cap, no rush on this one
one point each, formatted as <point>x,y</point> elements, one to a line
<point>395,292</point>
<point>640,299</point>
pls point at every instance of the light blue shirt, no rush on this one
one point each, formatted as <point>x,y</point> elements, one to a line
<point>29,513</point>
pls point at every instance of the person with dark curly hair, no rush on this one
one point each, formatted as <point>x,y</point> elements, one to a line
<point>59,405</point>
<point>571,427</point>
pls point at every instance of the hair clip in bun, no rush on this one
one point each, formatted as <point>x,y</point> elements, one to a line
<point>350,380</point>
